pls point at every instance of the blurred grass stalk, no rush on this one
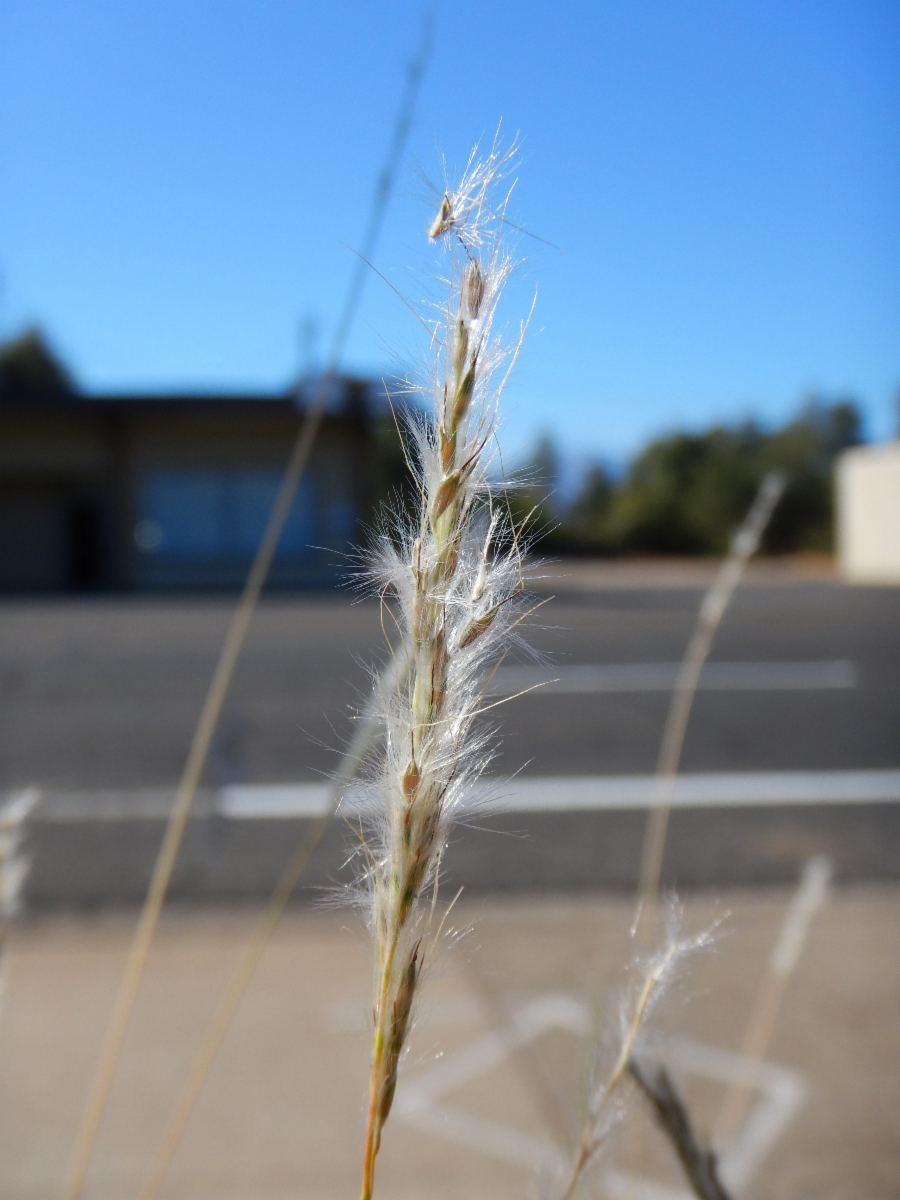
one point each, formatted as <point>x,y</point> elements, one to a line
<point>743,546</point>
<point>806,902</point>
<point>360,746</point>
<point>604,1108</point>
<point>13,865</point>
<point>237,632</point>
<point>601,1114</point>
<point>698,1161</point>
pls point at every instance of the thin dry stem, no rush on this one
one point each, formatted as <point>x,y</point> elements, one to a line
<point>716,601</point>
<point>13,865</point>
<point>699,1162</point>
<point>807,900</point>
<point>139,951</point>
<point>656,972</point>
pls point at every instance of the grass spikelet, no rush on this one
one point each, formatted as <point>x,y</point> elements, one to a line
<point>454,574</point>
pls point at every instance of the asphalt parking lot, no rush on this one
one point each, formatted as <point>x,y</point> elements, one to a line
<point>104,693</point>
<point>97,703</point>
<point>793,738</point>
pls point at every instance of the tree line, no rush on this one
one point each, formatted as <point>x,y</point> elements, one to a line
<point>685,493</point>
<point>682,494</point>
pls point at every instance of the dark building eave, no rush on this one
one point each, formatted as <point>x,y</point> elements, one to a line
<point>346,396</point>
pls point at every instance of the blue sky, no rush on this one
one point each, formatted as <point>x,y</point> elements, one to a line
<point>177,178</point>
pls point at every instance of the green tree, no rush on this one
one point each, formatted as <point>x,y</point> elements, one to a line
<point>686,493</point>
<point>29,368</point>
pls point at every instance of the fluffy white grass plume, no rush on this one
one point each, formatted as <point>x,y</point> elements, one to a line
<point>454,576</point>
<point>650,977</point>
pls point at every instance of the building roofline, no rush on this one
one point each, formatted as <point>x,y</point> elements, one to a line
<point>346,399</point>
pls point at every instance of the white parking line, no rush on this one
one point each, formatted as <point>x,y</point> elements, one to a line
<point>597,792</point>
<point>602,678</point>
<point>422,1098</point>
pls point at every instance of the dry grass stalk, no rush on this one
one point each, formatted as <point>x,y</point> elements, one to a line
<point>806,902</point>
<point>13,865</point>
<point>604,1108</point>
<point>455,576</point>
<point>221,681</point>
<point>699,1162</point>
<point>139,951</point>
<point>356,752</point>
<point>743,547</point>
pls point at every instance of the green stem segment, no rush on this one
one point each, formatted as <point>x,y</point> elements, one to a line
<point>375,1121</point>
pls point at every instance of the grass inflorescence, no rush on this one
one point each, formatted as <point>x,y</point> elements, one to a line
<point>453,574</point>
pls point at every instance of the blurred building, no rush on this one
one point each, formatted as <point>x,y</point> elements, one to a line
<point>170,492</point>
<point>868,504</point>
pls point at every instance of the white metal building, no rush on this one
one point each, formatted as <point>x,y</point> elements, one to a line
<point>868,513</point>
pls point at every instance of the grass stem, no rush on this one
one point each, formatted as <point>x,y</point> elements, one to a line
<point>218,689</point>
<point>712,610</point>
